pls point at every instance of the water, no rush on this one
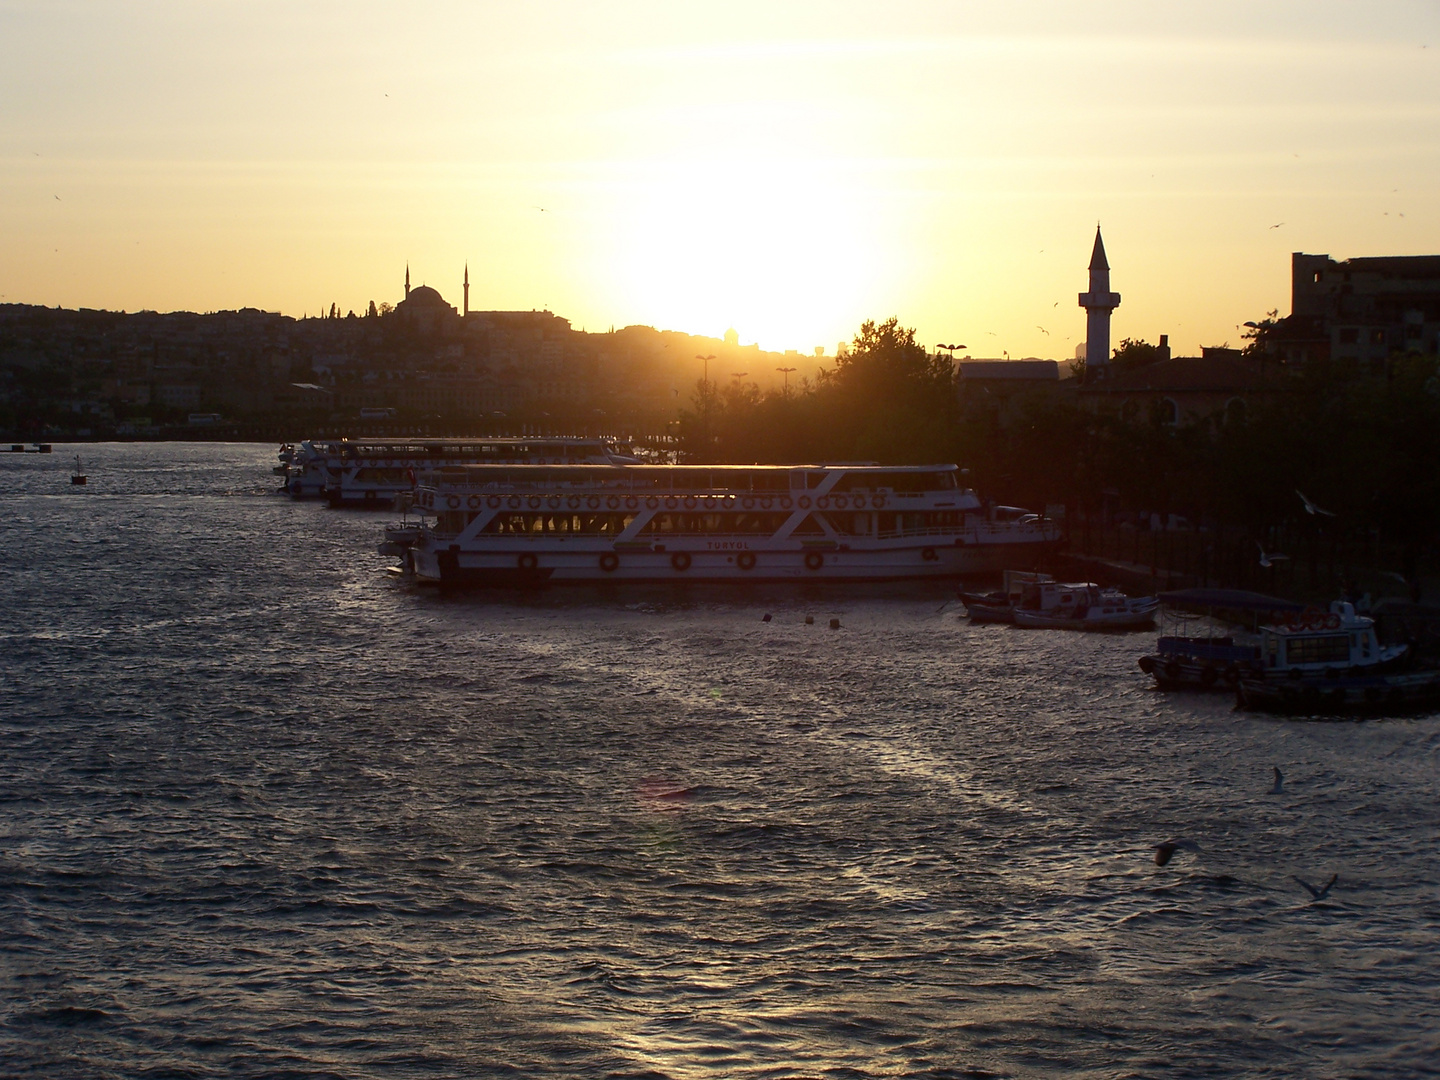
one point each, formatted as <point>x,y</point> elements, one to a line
<point>267,810</point>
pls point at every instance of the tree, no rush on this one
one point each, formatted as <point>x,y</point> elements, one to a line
<point>1134,353</point>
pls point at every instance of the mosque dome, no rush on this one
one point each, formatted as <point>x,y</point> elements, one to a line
<point>425,296</point>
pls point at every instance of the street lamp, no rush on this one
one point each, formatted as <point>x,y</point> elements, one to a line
<point>786,371</point>
<point>707,360</point>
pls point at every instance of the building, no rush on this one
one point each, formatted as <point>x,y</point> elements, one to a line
<point>1362,311</point>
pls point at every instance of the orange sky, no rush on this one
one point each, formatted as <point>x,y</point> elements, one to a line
<point>787,169</point>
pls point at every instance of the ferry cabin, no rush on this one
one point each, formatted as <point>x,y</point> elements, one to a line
<point>1314,642</point>
<point>371,472</point>
<point>720,522</point>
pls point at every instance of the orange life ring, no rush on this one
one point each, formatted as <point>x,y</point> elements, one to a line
<point>1332,621</point>
<point>453,501</point>
<point>745,560</point>
<point>680,560</point>
<point>473,502</point>
<point>493,502</point>
<point>534,502</point>
<point>748,503</point>
<point>814,560</point>
<point>690,503</point>
<point>784,502</point>
<point>609,561</point>
<point>841,502</point>
<point>593,502</point>
<point>573,502</point>
<point>652,503</point>
<point>878,502</point>
<point>671,503</point>
<point>514,502</point>
<point>803,502</point>
<point>613,502</point>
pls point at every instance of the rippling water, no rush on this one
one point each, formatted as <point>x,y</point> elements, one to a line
<point>267,810</point>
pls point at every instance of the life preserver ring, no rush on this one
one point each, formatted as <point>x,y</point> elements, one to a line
<point>690,503</point>
<point>573,502</point>
<point>878,502</point>
<point>766,504</point>
<point>473,502</point>
<point>748,503</point>
<point>609,561</point>
<point>632,504</point>
<point>1332,621</point>
<point>928,554</point>
<point>534,502</point>
<point>493,502</point>
<point>671,503</point>
<point>1208,676</point>
<point>553,502</point>
<point>514,502</point>
<point>784,502</point>
<point>652,503</point>
<point>841,502</point>
<point>613,502</point>
<point>745,560</point>
<point>803,502</point>
<point>814,560</point>
<point>822,503</point>
<point>453,501</point>
<point>593,502</point>
<point>527,561</point>
<point>1172,670</point>
<point>680,560</point>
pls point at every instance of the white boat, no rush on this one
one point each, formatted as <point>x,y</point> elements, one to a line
<point>530,524</point>
<point>999,607</point>
<point>1054,605</point>
<point>371,472</point>
<point>1332,662</point>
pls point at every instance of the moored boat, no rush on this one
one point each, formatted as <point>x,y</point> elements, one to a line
<point>1332,663</point>
<point>1058,606</point>
<point>999,607</point>
<point>1184,659</point>
<point>533,524</point>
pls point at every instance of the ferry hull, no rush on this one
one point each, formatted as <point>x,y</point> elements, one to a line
<point>517,566</point>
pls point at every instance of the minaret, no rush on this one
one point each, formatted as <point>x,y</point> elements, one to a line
<point>407,281</point>
<point>1098,303</point>
<point>467,288</point>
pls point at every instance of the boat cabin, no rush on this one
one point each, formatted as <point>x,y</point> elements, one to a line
<point>1317,640</point>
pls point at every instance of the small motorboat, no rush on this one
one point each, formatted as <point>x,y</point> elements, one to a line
<point>1055,606</point>
<point>999,607</point>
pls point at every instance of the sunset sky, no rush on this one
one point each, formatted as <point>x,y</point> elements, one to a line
<point>786,168</point>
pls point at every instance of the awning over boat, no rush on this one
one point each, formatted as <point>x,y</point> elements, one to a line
<point>1228,600</point>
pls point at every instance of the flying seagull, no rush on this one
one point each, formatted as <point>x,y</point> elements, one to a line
<point>1269,558</point>
<point>1310,507</point>
<point>1277,224</point>
<point>1318,894</point>
<point>1164,852</point>
<point>1279,781</point>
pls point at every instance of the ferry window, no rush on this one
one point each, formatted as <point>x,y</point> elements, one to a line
<point>849,524</point>
<point>885,522</point>
<point>1331,649</point>
<point>808,527</point>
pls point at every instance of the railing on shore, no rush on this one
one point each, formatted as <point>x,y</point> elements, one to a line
<point>1303,563</point>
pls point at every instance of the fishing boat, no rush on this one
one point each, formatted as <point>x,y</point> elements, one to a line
<point>1052,605</point>
<point>535,524</point>
<point>999,607</point>
<point>1210,637</point>
<point>1319,663</point>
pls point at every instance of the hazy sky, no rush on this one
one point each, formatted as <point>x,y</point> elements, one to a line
<point>786,168</point>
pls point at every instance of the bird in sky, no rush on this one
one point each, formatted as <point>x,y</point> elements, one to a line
<point>1166,851</point>
<point>1277,224</point>
<point>1041,329</point>
<point>1278,789</point>
<point>1318,894</point>
<point>1310,507</point>
<point>1269,558</point>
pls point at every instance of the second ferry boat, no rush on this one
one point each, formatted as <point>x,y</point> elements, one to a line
<point>532,524</point>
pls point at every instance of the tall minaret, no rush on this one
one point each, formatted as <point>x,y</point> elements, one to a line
<point>407,281</point>
<point>467,288</point>
<point>1098,303</point>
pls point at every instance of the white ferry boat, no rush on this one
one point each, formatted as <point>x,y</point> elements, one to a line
<point>371,472</point>
<point>531,524</point>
